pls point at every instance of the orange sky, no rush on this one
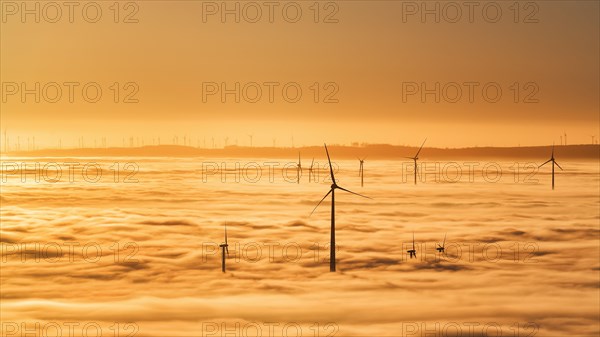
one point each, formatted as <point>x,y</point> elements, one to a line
<point>370,54</point>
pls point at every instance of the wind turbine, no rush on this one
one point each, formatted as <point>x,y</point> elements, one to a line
<point>298,169</point>
<point>251,136</point>
<point>334,186</point>
<point>361,171</point>
<point>412,252</point>
<point>310,170</point>
<point>441,248</point>
<point>415,158</point>
<point>553,163</point>
<point>224,248</point>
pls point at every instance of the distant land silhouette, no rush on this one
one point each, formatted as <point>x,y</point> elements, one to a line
<point>374,151</point>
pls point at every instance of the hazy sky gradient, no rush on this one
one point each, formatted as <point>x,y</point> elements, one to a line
<point>369,53</point>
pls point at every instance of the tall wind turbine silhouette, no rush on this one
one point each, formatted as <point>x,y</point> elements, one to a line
<point>415,158</point>
<point>224,248</point>
<point>298,169</point>
<point>553,163</point>
<point>361,171</point>
<point>334,186</point>
<point>310,170</point>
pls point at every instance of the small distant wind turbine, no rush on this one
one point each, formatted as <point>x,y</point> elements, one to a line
<point>412,252</point>
<point>334,186</point>
<point>361,172</point>
<point>251,136</point>
<point>224,248</point>
<point>298,169</point>
<point>553,163</point>
<point>310,170</point>
<point>443,246</point>
<point>415,158</point>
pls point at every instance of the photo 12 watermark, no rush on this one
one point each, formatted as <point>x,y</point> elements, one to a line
<point>268,329</point>
<point>68,172</point>
<point>486,12</point>
<point>69,92</point>
<point>468,329</point>
<point>68,329</point>
<point>470,92</point>
<point>288,12</point>
<point>91,12</point>
<point>270,92</point>
<point>69,252</point>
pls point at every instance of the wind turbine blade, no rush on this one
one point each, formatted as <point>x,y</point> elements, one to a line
<point>444,244</point>
<point>326,195</point>
<point>413,240</point>
<point>312,162</point>
<point>420,148</point>
<point>360,195</point>
<point>225,233</point>
<point>558,165</point>
<point>413,158</point>
<point>549,160</point>
<point>330,167</point>
<point>227,250</point>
